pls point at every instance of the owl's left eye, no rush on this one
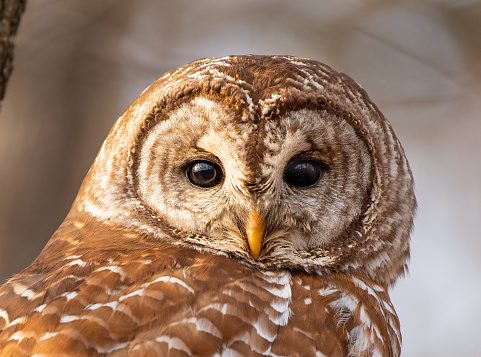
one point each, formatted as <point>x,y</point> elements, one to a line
<point>204,173</point>
<point>303,173</point>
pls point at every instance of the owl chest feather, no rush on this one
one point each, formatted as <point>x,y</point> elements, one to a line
<point>170,301</point>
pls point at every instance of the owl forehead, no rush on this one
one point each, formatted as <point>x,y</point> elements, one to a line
<point>260,86</point>
<point>214,127</point>
<point>258,91</point>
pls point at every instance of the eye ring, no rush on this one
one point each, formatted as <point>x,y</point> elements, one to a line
<point>204,173</point>
<point>303,172</point>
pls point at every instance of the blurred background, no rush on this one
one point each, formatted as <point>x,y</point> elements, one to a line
<point>79,63</point>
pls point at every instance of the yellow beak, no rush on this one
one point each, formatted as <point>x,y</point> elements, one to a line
<point>255,227</point>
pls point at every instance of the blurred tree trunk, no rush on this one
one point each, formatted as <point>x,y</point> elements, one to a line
<point>10,13</point>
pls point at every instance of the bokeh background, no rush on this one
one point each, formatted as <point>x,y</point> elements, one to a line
<point>79,63</point>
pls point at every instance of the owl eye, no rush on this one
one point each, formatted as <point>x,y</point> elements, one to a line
<point>204,173</point>
<point>303,173</point>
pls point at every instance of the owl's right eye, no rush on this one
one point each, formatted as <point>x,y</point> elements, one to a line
<point>204,173</point>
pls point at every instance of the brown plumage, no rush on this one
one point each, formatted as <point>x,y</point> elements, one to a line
<point>247,205</point>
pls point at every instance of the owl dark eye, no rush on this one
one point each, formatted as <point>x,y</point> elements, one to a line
<point>303,173</point>
<point>204,173</point>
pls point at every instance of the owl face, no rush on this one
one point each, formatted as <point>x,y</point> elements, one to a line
<point>305,187</point>
<point>275,161</point>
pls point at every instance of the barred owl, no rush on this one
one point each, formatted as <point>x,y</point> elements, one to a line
<point>245,205</point>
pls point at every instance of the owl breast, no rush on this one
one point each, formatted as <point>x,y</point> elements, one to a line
<point>151,300</point>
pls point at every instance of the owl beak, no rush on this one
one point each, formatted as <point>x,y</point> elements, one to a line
<point>255,228</point>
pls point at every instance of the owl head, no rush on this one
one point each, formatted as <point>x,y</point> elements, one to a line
<point>276,161</point>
